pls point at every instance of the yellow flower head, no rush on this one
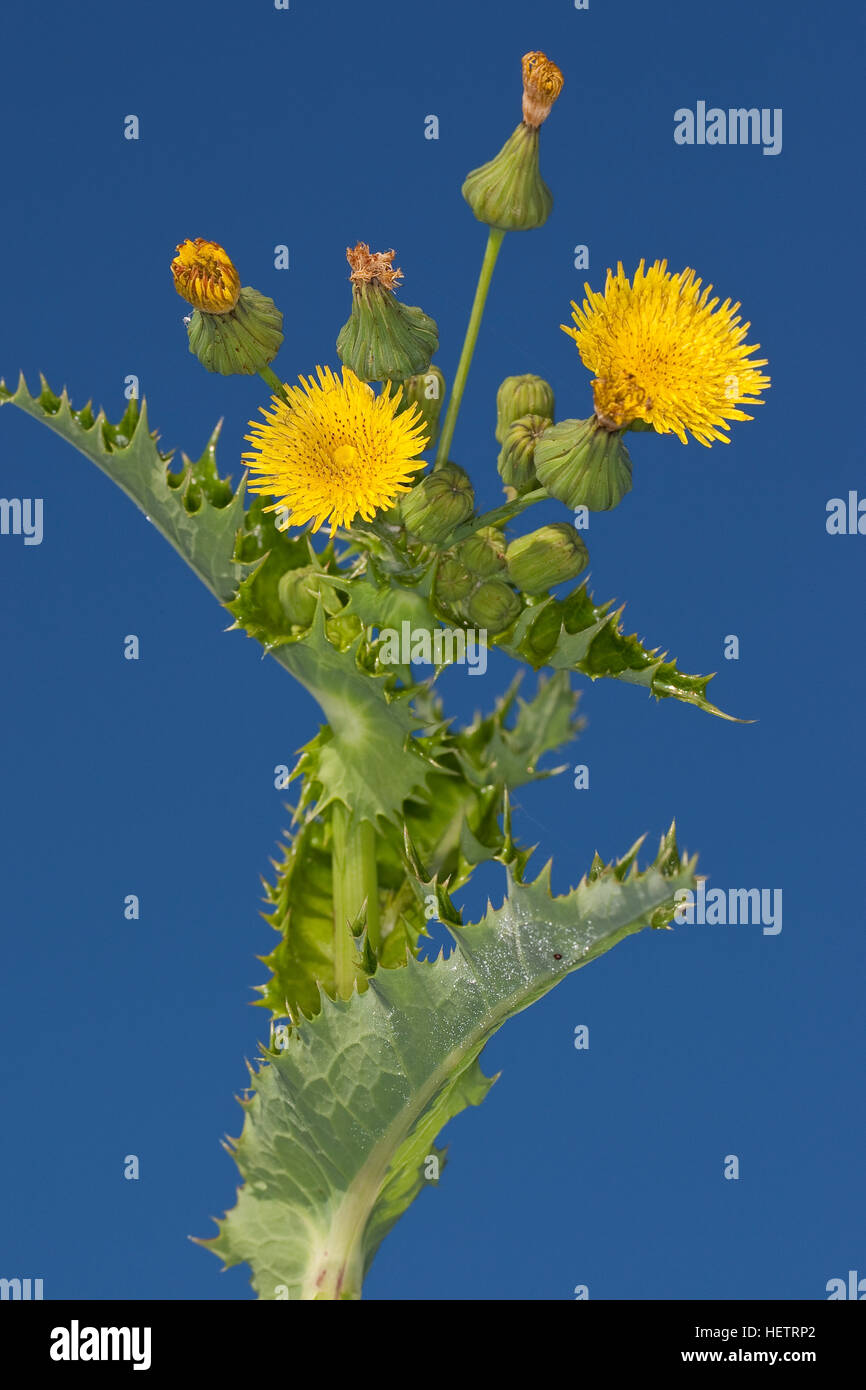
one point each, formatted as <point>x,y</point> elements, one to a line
<point>542,84</point>
<point>663,352</point>
<point>205,277</point>
<point>334,450</point>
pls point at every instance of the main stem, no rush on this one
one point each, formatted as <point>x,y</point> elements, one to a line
<point>494,241</point>
<point>355,882</point>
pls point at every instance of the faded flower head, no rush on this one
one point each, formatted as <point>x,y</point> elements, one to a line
<point>666,354</point>
<point>334,450</point>
<point>542,84</point>
<point>367,266</point>
<point>205,276</point>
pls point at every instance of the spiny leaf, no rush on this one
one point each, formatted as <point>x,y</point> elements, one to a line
<point>338,1125</point>
<point>576,635</point>
<point>365,756</point>
<point>198,512</point>
<point>454,827</point>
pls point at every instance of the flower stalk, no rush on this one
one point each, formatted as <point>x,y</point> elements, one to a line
<point>494,241</point>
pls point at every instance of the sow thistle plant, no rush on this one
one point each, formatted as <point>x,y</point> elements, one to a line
<point>374,1048</point>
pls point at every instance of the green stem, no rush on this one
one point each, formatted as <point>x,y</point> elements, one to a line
<point>497,517</point>
<point>494,241</point>
<point>355,881</point>
<point>274,382</point>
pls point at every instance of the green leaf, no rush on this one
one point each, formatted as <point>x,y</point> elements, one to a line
<point>574,634</point>
<point>454,826</point>
<point>365,756</point>
<point>339,1124</point>
<point>198,512</point>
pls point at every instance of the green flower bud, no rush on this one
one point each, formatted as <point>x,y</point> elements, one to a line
<point>519,396</point>
<point>242,341</point>
<point>546,557</point>
<point>297,591</point>
<point>426,390</point>
<point>483,553</point>
<point>516,462</point>
<point>343,629</point>
<point>383,340</point>
<point>583,464</point>
<point>438,504</point>
<point>494,606</point>
<point>453,582</point>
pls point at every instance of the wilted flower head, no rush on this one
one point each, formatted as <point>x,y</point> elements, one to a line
<point>542,84</point>
<point>383,339</point>
<point>367,266</point>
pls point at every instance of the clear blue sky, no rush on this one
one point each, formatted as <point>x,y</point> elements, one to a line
<point>306,127</point>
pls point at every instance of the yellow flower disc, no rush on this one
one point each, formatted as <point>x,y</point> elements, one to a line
<point>663,352</point>
<point>334,450</point>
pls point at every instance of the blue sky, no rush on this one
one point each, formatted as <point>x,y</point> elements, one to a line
<point>305,127</point>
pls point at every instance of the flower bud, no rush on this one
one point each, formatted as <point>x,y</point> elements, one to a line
<point>546,557</point>
<point>297,591</point>
<point>509,191</point>
<point>231,330</point>
<point>583,464</point>
<point>383,340</point>
<point>343,629</point>
<point>519,396</point>
<point>483,553</point>
<point>426,390</point>
<point>494,606</point>
<point>453,582</point>
<point>438,504</point>
<point>516,462</point>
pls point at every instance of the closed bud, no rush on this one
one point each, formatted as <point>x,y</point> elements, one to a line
<point>438,504</point>
<point>519,396</point>
<point>483,553</point>
<point>581,463</point>
<point>546,557</point>
<point>493,606</point>
<point>426,390</point>
<point>297,591</point>
<point>343,629</point>
<point>453,582</point>
<point>383,340</point>
<point>516,462</point>
<point>232,331</point>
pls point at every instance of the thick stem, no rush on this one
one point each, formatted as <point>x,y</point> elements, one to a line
<point>494,241</point>
<point>355,882</point>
